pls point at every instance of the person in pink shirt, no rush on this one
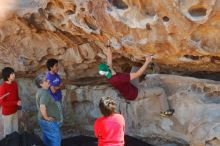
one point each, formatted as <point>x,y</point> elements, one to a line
<point>110,128</point>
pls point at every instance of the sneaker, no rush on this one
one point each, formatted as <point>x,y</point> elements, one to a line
<point>162,114</point>
<point>169,112</point>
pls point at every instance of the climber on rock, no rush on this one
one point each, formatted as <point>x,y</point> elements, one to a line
<point>128,83</point>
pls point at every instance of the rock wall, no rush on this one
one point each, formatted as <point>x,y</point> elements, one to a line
<point>196,104</point>
<point>184,35</point>
<point>195,122</point>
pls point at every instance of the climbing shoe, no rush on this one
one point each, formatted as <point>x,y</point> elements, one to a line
<point>169,112</point>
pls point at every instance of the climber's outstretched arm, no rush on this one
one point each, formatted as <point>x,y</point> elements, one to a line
<point>109,56</point>
<point>109,60</point>
<point>142,69</point>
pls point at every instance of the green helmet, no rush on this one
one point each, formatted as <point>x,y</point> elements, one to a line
<point>104,70</point>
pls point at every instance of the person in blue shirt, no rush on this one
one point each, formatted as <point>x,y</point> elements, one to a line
<point>56,84</point>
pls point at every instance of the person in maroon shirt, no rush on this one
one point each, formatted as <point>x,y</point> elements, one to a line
<point>128,86</point>
<point>110,128</point>
<point>9,101</point>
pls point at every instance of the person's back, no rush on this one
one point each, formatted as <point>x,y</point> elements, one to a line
<point>121,81</point>
<point>110,130</point>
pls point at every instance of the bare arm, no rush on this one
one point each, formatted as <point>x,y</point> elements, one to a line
<point>54,89</point>
<point>57,88</point>
<point>43,111</point>
<point>141,70</point>
<point>109,60</point>
<point>62,86</point>
<point>109,57</point>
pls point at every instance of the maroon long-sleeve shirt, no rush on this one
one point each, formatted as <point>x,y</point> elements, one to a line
<point>121,82</point>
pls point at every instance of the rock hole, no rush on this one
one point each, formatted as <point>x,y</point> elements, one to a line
<point>60,5</point>
<point>50,5</point>
<point>91,23</point>
<point>215,59</point>
<point>63,25</point>
<point>52,18</point>
<point>206,89</point>
<point>72,7</point>
<point>119,4</point>
<point>165,19</point>
<point>82,9</point>
<point>192,57</point>
<point>41,12</point>
<point>35,21</point>
<point>148,26</point>
<point>69,12</point>
<point>197,11</point>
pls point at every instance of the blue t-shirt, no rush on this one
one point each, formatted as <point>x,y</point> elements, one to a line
<point>54,80</point>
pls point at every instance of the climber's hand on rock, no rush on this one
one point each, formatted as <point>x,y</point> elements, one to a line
<point>108,45</point>
<point>148,58</point>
